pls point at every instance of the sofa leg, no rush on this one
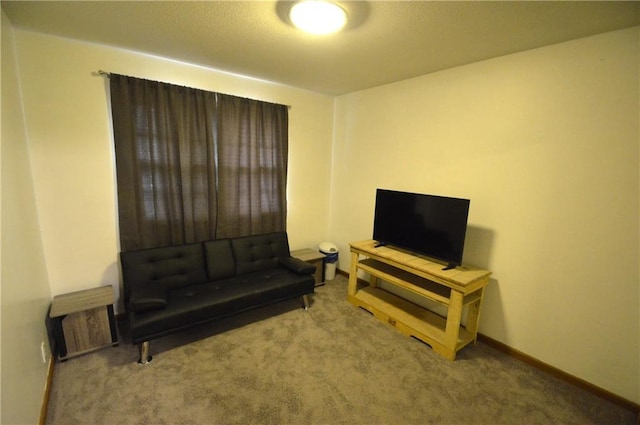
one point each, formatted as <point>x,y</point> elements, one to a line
<point>305,302</point>
<point>144,353</point>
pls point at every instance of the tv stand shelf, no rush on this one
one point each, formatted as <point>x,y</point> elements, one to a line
<point>456,289</point>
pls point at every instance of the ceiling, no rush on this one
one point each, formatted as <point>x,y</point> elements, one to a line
<point>386,41</point>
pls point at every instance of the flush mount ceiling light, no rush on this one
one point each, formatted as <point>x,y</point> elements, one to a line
<point>318,17</point>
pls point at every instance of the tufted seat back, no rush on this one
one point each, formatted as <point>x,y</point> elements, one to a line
<point>171,267</point>
<point>259,252</point>
<point>174,267</point>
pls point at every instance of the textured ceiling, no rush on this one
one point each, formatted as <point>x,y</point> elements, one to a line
<point>386,41</point>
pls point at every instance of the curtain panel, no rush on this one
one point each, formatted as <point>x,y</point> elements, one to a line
<point>252,166</point>
<point>194,165</point>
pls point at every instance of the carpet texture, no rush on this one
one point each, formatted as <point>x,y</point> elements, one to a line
<point>332,364</point>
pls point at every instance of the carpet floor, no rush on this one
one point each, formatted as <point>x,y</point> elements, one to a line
<point>332,364</point>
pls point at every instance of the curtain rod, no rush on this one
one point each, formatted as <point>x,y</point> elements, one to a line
<point>108,75</point>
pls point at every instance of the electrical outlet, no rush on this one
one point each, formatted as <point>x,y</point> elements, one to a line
<point>43,351</point>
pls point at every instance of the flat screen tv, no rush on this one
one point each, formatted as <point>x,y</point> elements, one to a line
<point>434,226</point>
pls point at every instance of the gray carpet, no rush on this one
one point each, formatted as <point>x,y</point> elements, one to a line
<point>333,364</point>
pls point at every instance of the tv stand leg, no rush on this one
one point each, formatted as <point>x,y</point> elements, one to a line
<point>454,316</point>
<point>473,316</point>
<point>353,274</point>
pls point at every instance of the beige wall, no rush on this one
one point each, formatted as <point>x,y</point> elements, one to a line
<point>70,140</point>
<point>25,287</point>
<point>545,143</point>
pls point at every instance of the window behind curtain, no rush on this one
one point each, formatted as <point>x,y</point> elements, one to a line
<point>194,165</point>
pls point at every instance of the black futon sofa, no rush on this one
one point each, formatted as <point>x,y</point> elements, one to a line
<point>171,288</point>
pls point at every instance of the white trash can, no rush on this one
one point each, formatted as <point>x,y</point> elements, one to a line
<point>330,261</point>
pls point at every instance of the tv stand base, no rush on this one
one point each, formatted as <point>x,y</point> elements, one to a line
<point>456,289</point>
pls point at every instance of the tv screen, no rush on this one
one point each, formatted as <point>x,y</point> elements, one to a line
<point>431,225</point>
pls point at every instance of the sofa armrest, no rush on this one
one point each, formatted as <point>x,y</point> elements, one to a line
<point>147,297</point>
<point>296,265</point>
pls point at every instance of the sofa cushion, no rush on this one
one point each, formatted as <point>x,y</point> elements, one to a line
<point>259,252</point>
<point>170,267</point>
<point>219,258</point>
<point>213,300</point>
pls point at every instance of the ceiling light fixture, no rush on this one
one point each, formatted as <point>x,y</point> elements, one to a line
<point>318,17</point>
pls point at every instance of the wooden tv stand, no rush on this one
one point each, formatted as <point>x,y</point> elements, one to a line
<point>455,289</point>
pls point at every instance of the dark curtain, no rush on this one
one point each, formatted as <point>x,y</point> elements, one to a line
<point>252,166</point>
<point>168,145</point>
